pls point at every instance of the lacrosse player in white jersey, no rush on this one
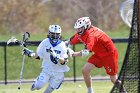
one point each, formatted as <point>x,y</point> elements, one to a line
<point>53,52</point>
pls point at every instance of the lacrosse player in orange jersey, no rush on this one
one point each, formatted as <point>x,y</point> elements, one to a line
<point>105,53</point>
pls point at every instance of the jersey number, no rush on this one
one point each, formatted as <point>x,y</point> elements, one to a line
<point>53,59</point>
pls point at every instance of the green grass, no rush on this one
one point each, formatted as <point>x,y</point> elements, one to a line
<point>66,87</point>
<point>14,60</point>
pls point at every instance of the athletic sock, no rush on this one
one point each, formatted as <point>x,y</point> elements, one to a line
<point>90,90</point>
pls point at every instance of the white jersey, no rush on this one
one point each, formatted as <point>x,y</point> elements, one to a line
<point>60,49</point>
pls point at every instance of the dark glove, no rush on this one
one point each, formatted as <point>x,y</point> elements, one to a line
<point>28,52</point>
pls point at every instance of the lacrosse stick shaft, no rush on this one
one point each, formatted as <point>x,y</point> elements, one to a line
<point>21,72</point>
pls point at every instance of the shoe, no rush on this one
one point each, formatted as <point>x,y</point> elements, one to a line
<point>120,86</point>
<point>33,87</point>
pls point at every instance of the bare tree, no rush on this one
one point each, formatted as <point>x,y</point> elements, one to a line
<point>19,15</point>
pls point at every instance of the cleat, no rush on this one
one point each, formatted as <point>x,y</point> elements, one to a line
<point>33,87</point>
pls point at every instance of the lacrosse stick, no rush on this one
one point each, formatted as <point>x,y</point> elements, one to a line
<point>22,43</point>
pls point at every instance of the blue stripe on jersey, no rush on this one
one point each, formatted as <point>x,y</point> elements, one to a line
<point>59,85</point>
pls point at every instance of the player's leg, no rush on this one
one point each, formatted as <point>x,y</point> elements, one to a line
<point>49,89</point>
<point>111,66</point>
<point>118,83</point>
<point>55,81</point>
<point>110,63</point>
<point>93,62</point>
<point>87,78</point>
<point>114,80</point>
<point>41,80</point>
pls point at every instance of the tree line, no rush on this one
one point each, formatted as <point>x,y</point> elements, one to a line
<point>35,15</point>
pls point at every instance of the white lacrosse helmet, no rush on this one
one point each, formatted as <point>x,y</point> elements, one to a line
<point>82,24</point>
<point>54,33</point>
<point>83,21</point>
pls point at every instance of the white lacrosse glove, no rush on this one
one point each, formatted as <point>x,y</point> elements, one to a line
<point>84,52</point>
<point>55,56</point>
<point>70,52</point>
<point>28,52</point>
<point>52,52</point>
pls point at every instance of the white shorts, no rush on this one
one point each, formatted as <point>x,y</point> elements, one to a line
<point>54,79</point>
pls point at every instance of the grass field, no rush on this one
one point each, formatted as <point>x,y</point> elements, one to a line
<point>66,87</point>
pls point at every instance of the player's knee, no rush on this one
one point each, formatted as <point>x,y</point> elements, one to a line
<point>85,71</point>
<point>87,68</point>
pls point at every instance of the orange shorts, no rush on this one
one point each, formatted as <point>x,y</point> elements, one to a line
<point>109,62</point>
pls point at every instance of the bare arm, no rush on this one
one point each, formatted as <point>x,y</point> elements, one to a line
<point>83,52</point>
<point>77,53</point>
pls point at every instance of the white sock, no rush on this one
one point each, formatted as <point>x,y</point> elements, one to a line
<point>90,90</point>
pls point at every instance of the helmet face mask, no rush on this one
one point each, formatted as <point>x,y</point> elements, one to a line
<point>54,36</point>
<point>54,33</point>
<point>81,30</point>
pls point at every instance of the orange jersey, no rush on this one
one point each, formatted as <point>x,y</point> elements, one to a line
<point>105,54</point>
<point>95,40</point>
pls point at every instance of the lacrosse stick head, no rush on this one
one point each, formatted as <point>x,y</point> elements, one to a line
<point>12,40</point>
<point>26,36</point>
<point>126,12</point>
